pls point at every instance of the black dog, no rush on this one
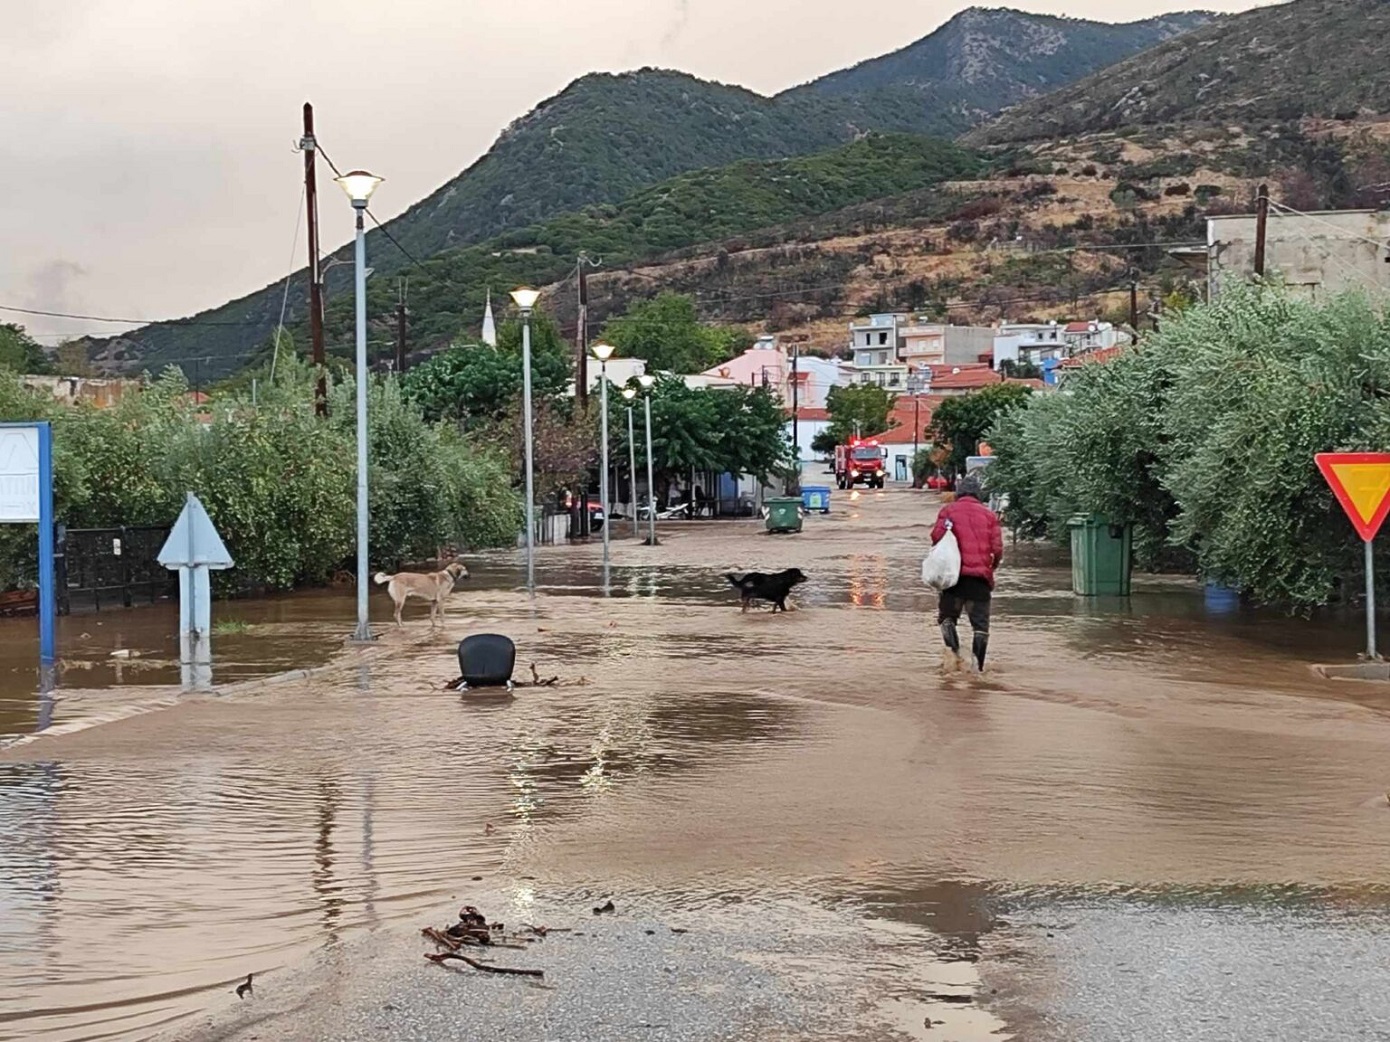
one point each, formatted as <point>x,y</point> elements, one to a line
<point>756,586</point>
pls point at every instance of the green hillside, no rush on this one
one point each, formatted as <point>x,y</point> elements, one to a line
<point>607,136</point>
<point>447,292</point>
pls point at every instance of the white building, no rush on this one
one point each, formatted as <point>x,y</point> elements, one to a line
<point>1034,342</point>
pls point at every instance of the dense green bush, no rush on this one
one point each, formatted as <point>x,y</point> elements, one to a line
<point>278,482</point>
<point>1203,438</point>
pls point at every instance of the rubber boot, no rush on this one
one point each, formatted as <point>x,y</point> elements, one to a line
<point>950,657</point>
<point>979,645</point>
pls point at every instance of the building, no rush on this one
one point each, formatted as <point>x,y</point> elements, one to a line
<point>909,423</point>
<point>1081,337</point>
<point>1316,254</point>
<point>935,343</point>
<point>875,346</point>
<point>1028,342</point>
<point>101,392</point>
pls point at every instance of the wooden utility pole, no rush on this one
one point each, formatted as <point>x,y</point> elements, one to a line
<point>400,333</point>
<point>1261,229</point>
<point>311,201</point>
<point>581,339</point>
<point>1134,303</point>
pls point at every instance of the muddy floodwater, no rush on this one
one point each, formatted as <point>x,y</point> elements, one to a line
<point>1125,773</point>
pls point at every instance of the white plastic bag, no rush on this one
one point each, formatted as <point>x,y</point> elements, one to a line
<point>941,567</point>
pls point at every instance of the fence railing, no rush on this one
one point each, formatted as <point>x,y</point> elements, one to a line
<point>111,567</point>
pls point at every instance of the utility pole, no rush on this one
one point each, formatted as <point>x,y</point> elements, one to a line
<point>1134,303</point>
<point>581,330</point>
<point>400,331</point>
<point>796,427</point>
<point>1261,229</point>
<point>311,201</point>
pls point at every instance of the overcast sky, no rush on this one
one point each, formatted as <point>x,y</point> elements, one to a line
<point>147,144</point>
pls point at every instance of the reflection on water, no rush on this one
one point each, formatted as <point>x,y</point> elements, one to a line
<point>229,835</point>
<point>222,838</point>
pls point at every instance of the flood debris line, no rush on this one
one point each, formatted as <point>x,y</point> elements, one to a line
<point>457,684</point>
<point>474,930</point>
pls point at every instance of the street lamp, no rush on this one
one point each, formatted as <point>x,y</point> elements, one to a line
<point>603,352</point>
<point>525,299</point>
<point>630,393</point>
<point>359,186</point>
<point>647,382</point>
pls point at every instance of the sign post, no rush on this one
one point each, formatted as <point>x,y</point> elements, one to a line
<point>194,547</point>
<point>26,497</point>
<point>1361,483</point>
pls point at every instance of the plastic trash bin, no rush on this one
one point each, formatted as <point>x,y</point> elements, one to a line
<point>784,514</point>
<point>816,497</point>
<point>1100,557</point>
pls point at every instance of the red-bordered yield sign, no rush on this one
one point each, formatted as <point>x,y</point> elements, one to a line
<point>1361,481</point>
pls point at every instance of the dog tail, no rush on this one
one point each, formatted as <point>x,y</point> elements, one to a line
<point>381,578</point>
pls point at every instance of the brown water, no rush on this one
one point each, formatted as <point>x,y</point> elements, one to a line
<point>149,862</point>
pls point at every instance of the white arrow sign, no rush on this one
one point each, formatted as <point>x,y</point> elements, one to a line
<point>193,547</point>
<point>194,540</point>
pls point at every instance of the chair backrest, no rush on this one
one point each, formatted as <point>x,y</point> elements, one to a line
<point>487,660</point>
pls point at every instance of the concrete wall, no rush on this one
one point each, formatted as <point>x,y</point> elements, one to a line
<point>1318,255</point>
<point>99,391</point>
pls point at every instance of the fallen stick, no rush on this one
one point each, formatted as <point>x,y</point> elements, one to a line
<point>442,957</point>
<point>439,939</point>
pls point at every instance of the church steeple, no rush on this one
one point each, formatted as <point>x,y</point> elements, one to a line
<point>489,324</point>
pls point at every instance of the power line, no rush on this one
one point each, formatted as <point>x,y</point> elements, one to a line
<point>1377,243</point>
<point>123,321</point>
<point>338,173</point>
<point>285,300</point>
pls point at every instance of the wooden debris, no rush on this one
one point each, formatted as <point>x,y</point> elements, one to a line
<point>511,971</point>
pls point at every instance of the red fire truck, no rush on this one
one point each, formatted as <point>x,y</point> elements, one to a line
<point>859,462</point>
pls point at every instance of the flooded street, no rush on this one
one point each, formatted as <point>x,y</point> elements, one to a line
<point>1044,841</point>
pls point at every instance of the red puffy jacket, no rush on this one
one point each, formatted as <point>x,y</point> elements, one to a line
<point>978,533</point>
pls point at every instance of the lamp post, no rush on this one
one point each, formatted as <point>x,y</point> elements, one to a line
<point>915,384</point>
<point>525,299</point>
<point>629,393</point>
<point>603,352</point>
<point>647,382</point>
<point>359,186</point>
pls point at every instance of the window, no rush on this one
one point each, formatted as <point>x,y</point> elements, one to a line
<point>883,338</point>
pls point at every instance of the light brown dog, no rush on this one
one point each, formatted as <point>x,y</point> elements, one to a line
<point>431,586</point>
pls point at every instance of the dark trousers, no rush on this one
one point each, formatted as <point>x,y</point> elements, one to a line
<point>970,592</point>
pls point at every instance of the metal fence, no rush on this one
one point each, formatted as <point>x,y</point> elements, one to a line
<point>103,568</point>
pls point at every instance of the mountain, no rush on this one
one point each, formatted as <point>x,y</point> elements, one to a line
<point>700,207</point>
<point>1326,58</point>
<point>606,136</point>
<point>984,60</point>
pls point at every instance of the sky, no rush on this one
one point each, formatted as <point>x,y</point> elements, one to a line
<point>148,145</point>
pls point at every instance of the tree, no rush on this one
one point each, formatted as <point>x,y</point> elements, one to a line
<point>667,333</point>
<point>735,430</point>
<point>1203,437</point>
<point>478,385</point>
<point>960,424</point>
<point>860,409</point>
<point>21,353</point>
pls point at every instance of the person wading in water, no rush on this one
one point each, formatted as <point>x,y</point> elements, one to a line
<point>981,550</point>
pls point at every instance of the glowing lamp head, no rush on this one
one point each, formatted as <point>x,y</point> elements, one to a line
<point>359,186</point>
<point>646,381</point>
<point>525,297</point>
<point>629,393</point>
<point>603,352</point>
